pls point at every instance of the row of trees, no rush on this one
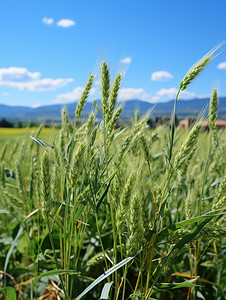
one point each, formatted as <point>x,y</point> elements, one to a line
<point>6,124</point>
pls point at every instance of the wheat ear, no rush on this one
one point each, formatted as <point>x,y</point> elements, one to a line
<point>114,119</point>
<point>213,107</point>
<point>2,175</point>
<point>136,238</point>
<point>198,67</point>
<point>19,177</point>
<point>125,200</point>
<point>220,199</point>
<point>84,97</point>
<point>74,171</point>
<point>113,96</point>
<point>45,181</point>
<point>105,87</point>
<point>66,125</point>
<point>187,147</point>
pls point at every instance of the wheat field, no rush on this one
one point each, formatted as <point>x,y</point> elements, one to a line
<point>95,211</point>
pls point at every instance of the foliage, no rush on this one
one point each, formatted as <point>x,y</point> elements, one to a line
<point>93,202</point>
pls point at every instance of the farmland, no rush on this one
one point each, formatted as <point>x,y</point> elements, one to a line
<point>96,211</point>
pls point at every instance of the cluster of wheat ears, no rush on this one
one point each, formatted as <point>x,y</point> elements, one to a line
<point>97,211</point>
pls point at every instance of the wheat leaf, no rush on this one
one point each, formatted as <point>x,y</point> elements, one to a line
<point>106,290</point>
<point>107,273</point>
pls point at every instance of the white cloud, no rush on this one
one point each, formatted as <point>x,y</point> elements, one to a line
<point>172,92</point>
<point>126,60</point>
<point>47,21</point>
<point>36,105</point>
<point>5,93</point>
<point>42,85</point>
<point>17,74</point>
<point>155,99</point>
<point>187,95</point>
<point>72,96</point>
<point>222,65</point>
<point>23,79</point>
<point>161,76</point>
<point>203,96</point>
<point>65,23</point>
<point>131,93</point>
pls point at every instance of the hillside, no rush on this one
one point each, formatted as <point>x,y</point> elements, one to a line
<point>185,108</point>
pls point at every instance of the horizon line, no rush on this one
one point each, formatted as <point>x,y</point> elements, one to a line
<point>120,101</point>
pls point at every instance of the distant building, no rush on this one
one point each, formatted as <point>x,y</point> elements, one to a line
<point>219,124</point>
<point>186,123</point>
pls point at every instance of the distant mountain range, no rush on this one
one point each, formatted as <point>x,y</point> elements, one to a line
<point>50,113</point>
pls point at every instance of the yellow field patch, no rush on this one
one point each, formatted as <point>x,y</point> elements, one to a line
<point>15,132</point>
<point>10,135</point>
<point>12,131</point>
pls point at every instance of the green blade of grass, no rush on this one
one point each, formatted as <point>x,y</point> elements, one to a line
<point>94,102</point>
<point>170,229</point>
<point>185,284</point>
<point>12,247</point>
<point>107,273</point>
<point>4,211</point>
<point>106,190</point>
<point>106,290</point>
<point>58,272</point>
<point>42,143</point>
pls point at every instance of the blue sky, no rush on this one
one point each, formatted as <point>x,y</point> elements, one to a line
<point>48,48</point>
